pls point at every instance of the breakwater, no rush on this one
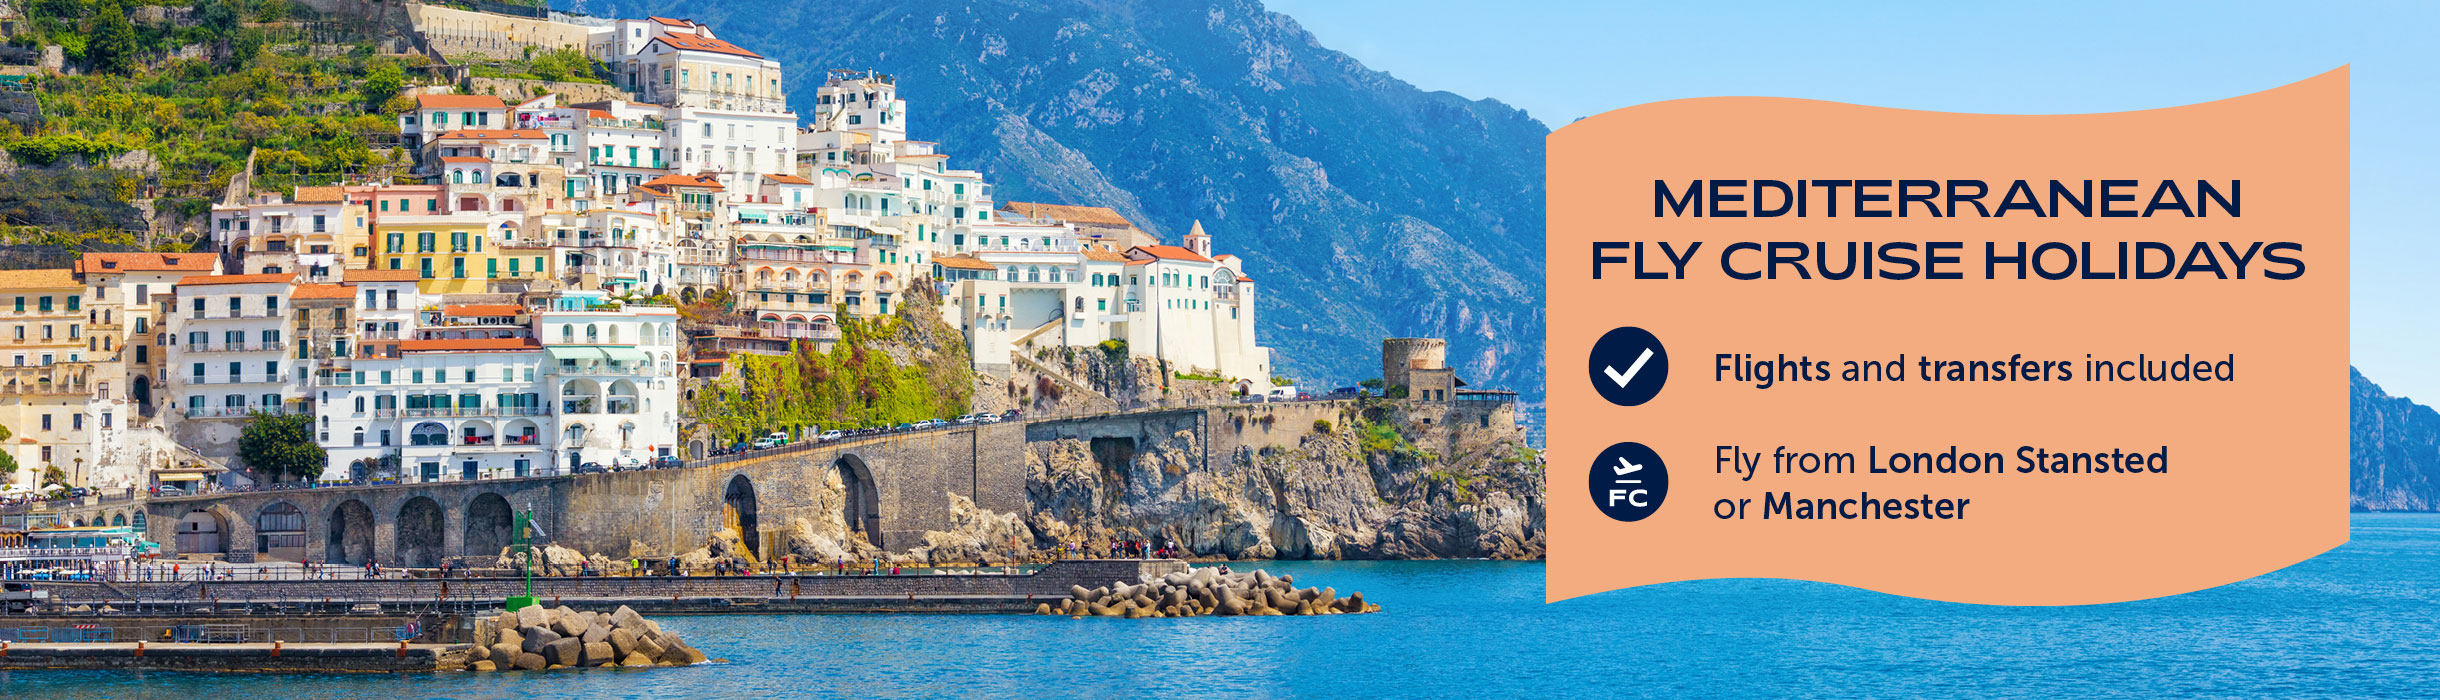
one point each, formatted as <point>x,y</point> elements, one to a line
<point>963,593</point>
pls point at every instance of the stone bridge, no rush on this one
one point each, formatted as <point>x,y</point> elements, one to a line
<point>891,488</point>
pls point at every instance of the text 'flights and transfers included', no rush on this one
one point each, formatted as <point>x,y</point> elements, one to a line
<point>2098,359</point>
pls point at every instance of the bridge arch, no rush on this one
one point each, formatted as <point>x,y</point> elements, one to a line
<point>737,510</point>
<point>279,531</point>
<point>861,508</point>
<point>351,534</point>
<point>420,533</point>
<point>488,525</point>
<point>205,530</point>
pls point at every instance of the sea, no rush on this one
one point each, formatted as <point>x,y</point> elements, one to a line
<point>2357,622</point>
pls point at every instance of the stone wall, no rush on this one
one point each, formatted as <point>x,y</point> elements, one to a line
<point>1051,580</point>
<point>514,90</point>
<point>460,32</point>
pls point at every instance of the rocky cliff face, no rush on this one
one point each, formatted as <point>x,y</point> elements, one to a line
<point>1375,486</point>
<point>1366,207</point>
<point>2394,450</point>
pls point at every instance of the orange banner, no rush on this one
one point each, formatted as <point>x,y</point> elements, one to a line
<point>2023,360</point>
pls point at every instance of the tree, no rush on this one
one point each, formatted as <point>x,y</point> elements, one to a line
<point>562,64</point>
<point>381,83</point>
<point>8,466</point>
<point>52,475</point>
<point>281,445</point>
<point>113,49</point>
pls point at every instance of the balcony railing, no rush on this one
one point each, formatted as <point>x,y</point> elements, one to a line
<point>274,346</point>
<point>234,411</point>
<point>475,412</point>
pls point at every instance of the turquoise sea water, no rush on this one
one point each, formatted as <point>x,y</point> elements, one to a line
<point>2358,622</point>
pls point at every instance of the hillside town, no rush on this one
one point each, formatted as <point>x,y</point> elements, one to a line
<point>514,307</point>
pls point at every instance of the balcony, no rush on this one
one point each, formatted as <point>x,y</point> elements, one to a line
<point>235,347</point>
<point>246,379</point>
<point>235,411</point>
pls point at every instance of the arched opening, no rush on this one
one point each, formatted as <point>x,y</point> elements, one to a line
<point>279,532</point>
<point>419,533</point>
<point>862,509</point>
<point>119,520</point>
<point>202,532</point>
<point>351,534</point>
<point>737,513</point>
<point>686,295</point>
<point>142,392</point>
<point>487,525</point>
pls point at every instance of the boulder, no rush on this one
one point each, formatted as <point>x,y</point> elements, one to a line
<point>596,634</point>
<point>564,652</point>
<point>533,616</point>
<point>1080,594</point>
<point>599,654</point>
<point>692,657</point>
<point>536,638</point>
<point>486,666</point>
<point>1042,608</point>
<point>633,660</point>
<point>646,646</point>
<point>653,625</point>
<point>530,662</point>
<point>622,641</point>
<point>507,621</point>
<point>626,619</point>
<point>569,624</point>
<point>506,653</point>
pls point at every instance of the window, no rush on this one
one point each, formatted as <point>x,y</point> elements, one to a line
<point>426,266</point>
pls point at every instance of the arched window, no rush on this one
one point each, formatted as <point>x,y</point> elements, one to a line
<point>567,333</point>
<point>614,334</point>
<point>593,333</point>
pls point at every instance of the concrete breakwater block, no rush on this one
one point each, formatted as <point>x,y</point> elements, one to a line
<point>536,638</point>
<point>1205,591</point>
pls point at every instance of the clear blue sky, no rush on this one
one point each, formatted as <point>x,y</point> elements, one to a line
<point>1562,61</point>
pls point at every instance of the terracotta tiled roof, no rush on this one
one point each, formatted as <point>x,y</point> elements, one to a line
<point>684,181</point>
<point>37,279</point>
<point>495,134</point>
<point>1103,255</point>
<point>672,22</point>
<point>788,179</point>
<point>1243,278</point>
<point>92,263</point>
<point>367,275</point>
<point>601,114</point>
<point>481,310</point>
<point>1067,212</point>
<point>459,102</point>
<point>1170,252</point>
<point>964,262</point>
<point>467,344</point>
<point>320,195</point>
<point>205,280</point>
<point>322,291</point>
<point>695,43</point>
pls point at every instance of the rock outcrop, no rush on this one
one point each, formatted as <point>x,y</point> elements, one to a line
<point>536,638</point>
<point>1377,484</point>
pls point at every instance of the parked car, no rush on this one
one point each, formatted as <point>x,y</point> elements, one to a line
<point>763,443</point>
<point>829,435</point>
<point>1253,398</point>
<point>591,468</point>
<point>968,419</point>
<point>986,418</point>
<point>172,491</point>
<point>930,424</point>
<point>667,462</point>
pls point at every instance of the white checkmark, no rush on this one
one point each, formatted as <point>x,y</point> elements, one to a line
<point>1625,467</point>
<point>1623,377</point>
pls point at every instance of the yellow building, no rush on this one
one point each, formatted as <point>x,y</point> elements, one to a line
<point>450,253</point>
<point>48,381</point>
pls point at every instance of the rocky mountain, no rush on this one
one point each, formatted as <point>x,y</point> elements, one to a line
<point>1368,208</point>
<point>2395,456</point>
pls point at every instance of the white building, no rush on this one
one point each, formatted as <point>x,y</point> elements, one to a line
<point>227,347</point>
<point>435,114</point>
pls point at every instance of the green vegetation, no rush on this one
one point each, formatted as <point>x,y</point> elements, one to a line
<point>1282,381</point>
<point>1115,349</point>
<point>1320,426</point>
<point>855,384</point>
<point>53,475</point>
<point>8,463</point>
<point>1459,486</point>
<point>281,446</point>
<point>1191,377</point>
<point>314,118</point>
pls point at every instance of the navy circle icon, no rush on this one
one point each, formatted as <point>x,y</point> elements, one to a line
<point>1629,366</point>
<point>1629,482</point>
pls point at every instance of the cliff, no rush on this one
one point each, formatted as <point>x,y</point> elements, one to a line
<point>2394,450</point>
<point>1379,482</point>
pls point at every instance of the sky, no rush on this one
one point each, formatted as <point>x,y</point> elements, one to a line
<point>1562,61</point>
